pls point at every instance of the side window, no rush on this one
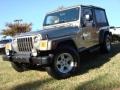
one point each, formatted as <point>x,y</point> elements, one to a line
<point>87,11</point>
<point>101,17</point>
<point>84,22</point>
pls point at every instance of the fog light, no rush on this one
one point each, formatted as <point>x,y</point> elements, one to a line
<point>7,52</point>
<point>34,52</point>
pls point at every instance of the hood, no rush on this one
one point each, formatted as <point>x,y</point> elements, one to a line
<point>52,33</point>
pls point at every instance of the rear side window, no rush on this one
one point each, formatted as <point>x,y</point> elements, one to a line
<point>101,17</point>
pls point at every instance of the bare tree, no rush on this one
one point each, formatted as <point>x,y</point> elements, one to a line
<point>16,28</point>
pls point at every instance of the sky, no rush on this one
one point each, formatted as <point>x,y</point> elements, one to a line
<point>34,11</point>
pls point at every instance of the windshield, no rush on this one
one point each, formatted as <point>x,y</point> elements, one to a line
<point>5,41</point>
<point>62,16</point>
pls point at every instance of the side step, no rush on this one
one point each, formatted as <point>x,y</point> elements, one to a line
<point>93,49</point>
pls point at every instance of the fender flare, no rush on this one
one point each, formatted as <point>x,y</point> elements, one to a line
<point>102,34</point>
<point>57,42</point>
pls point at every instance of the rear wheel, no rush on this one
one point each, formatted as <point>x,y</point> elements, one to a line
<point>106,45</point>
<point>65,63</point>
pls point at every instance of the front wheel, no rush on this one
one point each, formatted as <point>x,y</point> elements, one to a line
<point>65,63</point>
<point>18,67</point>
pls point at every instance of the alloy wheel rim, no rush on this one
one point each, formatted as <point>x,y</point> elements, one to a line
<point>65,62</point>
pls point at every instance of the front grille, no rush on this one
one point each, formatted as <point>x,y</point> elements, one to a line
<point>25,44</point>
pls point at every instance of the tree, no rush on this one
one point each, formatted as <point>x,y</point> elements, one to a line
<point>16,28</point>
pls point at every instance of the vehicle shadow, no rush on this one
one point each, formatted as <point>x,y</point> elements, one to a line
<point>96,59</point>
<point>32,85</point>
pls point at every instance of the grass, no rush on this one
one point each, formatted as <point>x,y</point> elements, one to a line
<point>98,72</point>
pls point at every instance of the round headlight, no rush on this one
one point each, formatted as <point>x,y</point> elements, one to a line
<point>37,38</point>
<point>7,52</point>
<point>34,52</point>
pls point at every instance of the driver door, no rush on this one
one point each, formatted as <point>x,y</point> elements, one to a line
<point>89,30</point>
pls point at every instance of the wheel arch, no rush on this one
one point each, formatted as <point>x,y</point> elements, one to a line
<point>62,42</point>
<point>102,34</point>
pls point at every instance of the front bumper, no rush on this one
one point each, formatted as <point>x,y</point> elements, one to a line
<point>2,50</point>
<point>41,60</point>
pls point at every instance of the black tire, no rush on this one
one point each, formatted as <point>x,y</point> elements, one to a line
<point>18,67</point>
<point>2,51</point>
<point>119,39</point>
<point>106,45</point>
<point>55,71</point>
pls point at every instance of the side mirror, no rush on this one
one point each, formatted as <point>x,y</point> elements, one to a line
<point>88,17</point>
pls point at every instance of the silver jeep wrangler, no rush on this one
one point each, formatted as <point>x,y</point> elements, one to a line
<point>66,32</point>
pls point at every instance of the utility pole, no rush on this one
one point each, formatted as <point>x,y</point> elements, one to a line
<point>18,20</point>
